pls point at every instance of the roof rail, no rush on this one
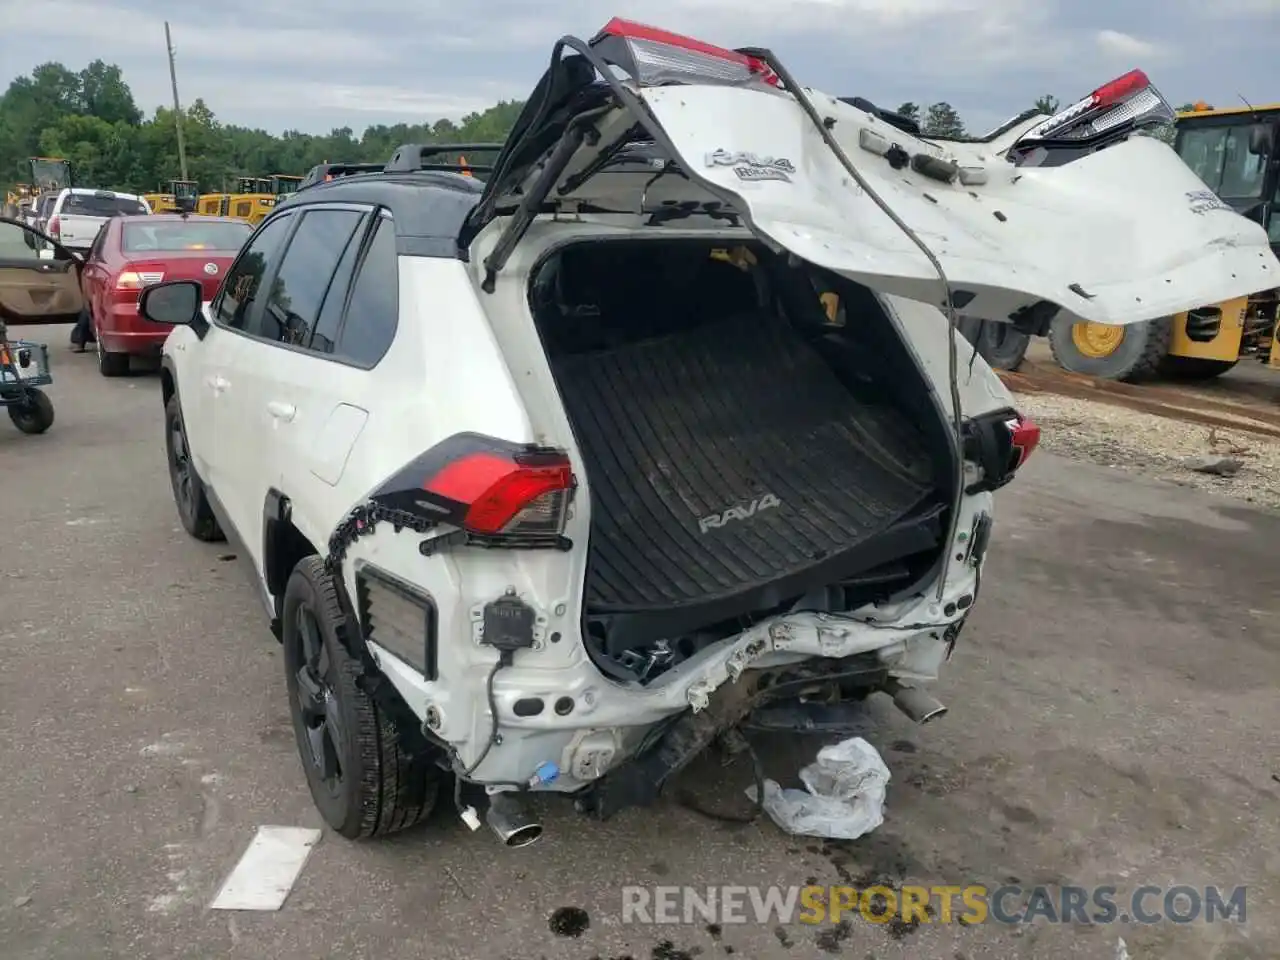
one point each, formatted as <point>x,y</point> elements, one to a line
<point>329,171</point>
<point>412,157</point>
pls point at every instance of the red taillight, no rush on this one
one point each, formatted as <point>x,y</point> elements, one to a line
<point>501,493</point>
<point>504,496</point>
<point>138,276</point>
<point>1024,435</point>
<point>55,228</point>
<point>1129,102</point>
<point>1120,88</point>
<point>659,56</point>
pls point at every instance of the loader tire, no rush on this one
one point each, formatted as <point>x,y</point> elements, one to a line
<point>1003,347</point>
<point>1195,368</point>
<point>1131,353</point>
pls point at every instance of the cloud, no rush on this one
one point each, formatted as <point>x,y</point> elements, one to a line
<point>1121,45</point>
<point>318,64</point>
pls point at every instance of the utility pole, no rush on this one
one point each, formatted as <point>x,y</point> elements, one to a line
<point>177,106</point>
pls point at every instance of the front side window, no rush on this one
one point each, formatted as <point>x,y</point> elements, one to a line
<point>18,244</point>
<point>308,266</point>
<point>1273,225</point>
<point>241,289</point>
<point>1220,157</point>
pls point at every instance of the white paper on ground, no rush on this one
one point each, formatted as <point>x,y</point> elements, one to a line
<point>267,870</point>
<point>843,796</point>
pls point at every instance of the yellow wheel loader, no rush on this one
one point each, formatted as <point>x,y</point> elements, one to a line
<point>1234,151</point>
<point>180,196</point>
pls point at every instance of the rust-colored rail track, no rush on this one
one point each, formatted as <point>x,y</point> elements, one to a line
<point>1232,403</point>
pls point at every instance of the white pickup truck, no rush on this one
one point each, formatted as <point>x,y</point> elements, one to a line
<point>79,213</point>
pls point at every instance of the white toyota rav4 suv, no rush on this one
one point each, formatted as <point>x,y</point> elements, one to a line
<point>551,481</point>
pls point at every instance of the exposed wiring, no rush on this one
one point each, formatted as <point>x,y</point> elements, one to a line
<point>504,660</point>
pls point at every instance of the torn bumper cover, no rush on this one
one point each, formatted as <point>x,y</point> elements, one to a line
<point>817,686</point>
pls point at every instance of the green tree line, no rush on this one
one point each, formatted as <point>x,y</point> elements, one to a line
<point>91,118</point>
<point>941,120</point>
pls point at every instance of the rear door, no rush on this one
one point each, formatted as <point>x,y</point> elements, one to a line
<point>1115,235</point>
<point>321,386</point>
<point>36,289</point>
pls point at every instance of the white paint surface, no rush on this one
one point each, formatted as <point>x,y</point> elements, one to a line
<point>268,869</point>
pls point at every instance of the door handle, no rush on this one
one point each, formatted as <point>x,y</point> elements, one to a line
<point>218,384</point>
<point>281,411</point>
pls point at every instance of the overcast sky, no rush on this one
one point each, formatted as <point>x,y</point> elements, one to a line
<point>317,64</point>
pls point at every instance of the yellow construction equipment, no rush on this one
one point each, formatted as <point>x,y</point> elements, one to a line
<point>50,173</point>
<point>283,184</point>
<point>253,199</point>
<point>180,196</point>
<point>17,200</point>
<point>1234,151</point>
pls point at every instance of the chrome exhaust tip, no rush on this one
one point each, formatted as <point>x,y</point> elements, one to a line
<point>511,822</point>
<point>914,702</point>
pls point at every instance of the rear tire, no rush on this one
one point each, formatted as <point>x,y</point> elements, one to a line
<point>35,414</point>
<point>1138,351</point>
<point>361,778</point>
<point>1002,346</point>
<point>188,489</point>
<point>1196,368</point>
<point>111,364</point>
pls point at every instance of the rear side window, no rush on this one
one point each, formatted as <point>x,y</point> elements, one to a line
<point>241,288</point>
<point>374,309</point>
<point>324,339</point>
<point>309,262</point>
<point>92,205</point>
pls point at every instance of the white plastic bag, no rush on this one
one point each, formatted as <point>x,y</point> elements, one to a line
<point>845,794</point>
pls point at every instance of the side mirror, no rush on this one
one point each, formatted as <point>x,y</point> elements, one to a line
<point>176,303</point>
<point>1261,140</point>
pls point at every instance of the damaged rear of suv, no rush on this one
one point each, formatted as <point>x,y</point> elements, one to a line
<point>676,430</point>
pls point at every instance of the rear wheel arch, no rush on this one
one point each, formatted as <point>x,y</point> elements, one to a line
<point>168,382</point>
<point>284,546</point>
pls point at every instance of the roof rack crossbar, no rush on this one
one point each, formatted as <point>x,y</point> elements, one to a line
<point>412,157</point>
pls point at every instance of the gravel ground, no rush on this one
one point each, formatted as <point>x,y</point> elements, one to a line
<point>1156,446</point>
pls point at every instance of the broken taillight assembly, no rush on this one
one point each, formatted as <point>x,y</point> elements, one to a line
<point>1024,437</point>
<point>1125,104</point>
<point>998,444</point>
<point>654,57</point>
<point>498,493</point>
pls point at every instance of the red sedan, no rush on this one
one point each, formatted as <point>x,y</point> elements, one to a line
<point>133,252</point>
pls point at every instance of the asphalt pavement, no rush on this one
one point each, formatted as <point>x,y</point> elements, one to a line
<point>1113,721</point>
